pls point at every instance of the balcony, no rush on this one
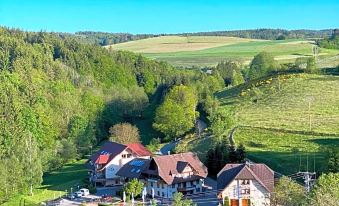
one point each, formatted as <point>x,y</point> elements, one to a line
<point>185,189</point>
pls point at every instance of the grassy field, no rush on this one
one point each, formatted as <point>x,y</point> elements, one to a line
<point>209,50</point>
<point>274,124</point>
<point>282,151</point>
<point>288,108</point>
<point>166,44</point>
<point>55,183</point>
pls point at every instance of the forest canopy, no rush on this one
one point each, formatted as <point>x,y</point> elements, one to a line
<point>59,97</point>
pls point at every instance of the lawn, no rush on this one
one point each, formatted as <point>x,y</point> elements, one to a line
<point>55,184</point>
<point>209,50</point>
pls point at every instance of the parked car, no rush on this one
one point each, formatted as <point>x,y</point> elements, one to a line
<point>78,194</point>
<point>84,191</point>
<point>71,196</point>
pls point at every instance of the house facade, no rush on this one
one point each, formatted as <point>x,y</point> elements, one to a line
<point>104,164</point>
<point>168,174</point>
<point>246,184</point>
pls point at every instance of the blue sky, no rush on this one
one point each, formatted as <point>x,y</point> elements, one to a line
<point>171,16</point>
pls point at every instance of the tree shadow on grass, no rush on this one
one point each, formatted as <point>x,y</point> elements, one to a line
<point>70,175</point>
<point>325,142</point>
<point>292,162</point>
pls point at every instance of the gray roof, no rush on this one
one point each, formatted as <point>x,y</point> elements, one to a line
<point>134,168</point>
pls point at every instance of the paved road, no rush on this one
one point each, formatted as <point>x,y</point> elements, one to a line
<point>168,147</point>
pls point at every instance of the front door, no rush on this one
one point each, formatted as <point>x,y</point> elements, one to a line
<point>245,202</point>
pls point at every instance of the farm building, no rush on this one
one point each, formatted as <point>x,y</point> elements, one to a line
<point>245,184</point>
<point>165,175</point>
<point>104,164</point>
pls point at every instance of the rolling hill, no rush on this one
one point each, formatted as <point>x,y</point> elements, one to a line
<point>274,125</point>
<point>209,50</point>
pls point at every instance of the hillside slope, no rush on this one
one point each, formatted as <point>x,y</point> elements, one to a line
<point>209,50</point>
<point>262,104</point>
<point>274,124</point>
<point>285,127</point>
<point>164,44</point>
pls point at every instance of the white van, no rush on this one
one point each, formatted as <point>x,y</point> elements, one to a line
<point>84,191</point>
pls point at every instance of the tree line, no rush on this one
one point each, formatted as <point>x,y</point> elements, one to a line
<point>331,42</point>
<point>106,38</point>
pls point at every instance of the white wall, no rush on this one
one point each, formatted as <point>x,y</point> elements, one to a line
<point>168,190</point>
<point>117,162</point>
<point>256,196</point>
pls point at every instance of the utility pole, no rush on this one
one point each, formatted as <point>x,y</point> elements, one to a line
<point>315,51</point>
<point>278,79</point>
<point>309,99</point>
<point>309,178</point>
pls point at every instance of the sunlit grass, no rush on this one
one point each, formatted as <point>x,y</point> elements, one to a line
<point>55,184</point>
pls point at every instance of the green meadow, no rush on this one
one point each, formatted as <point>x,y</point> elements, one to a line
<point>278,127</point>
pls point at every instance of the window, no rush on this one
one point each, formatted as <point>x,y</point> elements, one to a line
<point>163,194</point>
<point>126,155</point>
<point>158,193</point>
<point>245,191</point>
<point>173,185</point>
<point>184,184</point>
<point>245,182</point>
<point>151,184</point>
<point>158,185</point>
<point>198,189</point>
<point>162,186</point>
<point>197,181</point>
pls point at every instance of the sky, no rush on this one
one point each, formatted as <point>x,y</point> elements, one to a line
<point>171,16</point>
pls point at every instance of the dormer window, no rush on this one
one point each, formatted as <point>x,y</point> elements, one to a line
<point>126,155</point>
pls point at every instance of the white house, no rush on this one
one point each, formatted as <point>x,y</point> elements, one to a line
<point>168,174</point>
<point>105,163</point>
<point>245,184</point>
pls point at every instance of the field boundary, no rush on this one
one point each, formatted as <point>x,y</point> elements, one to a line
<point>292,131</point>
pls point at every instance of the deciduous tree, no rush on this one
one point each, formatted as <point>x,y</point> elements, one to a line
<point>124,133</point>
<point>261,65</point>
<point>176,115</point>
<point>288,193</point>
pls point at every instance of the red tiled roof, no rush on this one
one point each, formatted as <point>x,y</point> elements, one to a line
<point>102,159</point>
<point>139,149</point>
<point>111,149</point>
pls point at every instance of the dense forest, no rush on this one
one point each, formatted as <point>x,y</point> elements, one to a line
<point>271,34</point>
<point>59,97</point>
<point>105,38</point>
